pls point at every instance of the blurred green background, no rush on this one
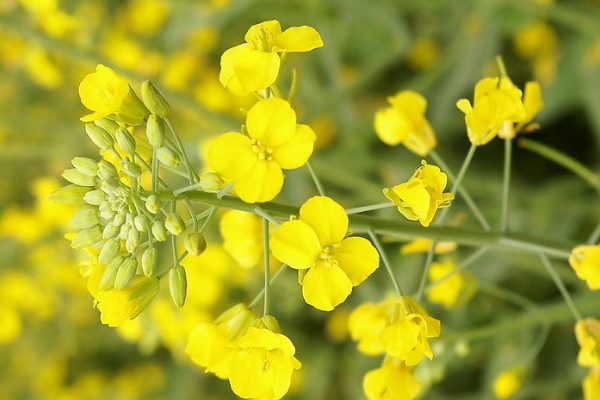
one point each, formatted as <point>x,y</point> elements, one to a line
<point>52,345</point>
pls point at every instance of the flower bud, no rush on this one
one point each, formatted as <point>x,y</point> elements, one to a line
<point>140,222</point>
<point>133,241</point>
<point>70,194</point>
<point>125,272</point>
<point>86,218</point>
<point>118,220</point>
<point>125,140</point>
<point>178,285</point>
<point>110,250</point>
<point>175,224</point>
<point>150,261</point>
<point>195,243</point>
<point>155,131</point>
<point>110,231</point>
<point>87,237</point>
<point>106,169</point>
<point>158,231</point>
<point>153,100</point>
<point>167,157</point>
<point>79,178</point>
<point>124,231</point>
<point>95,197</point>
<point>108,125</point>
<point>85,165</point>
<point>107,281</point>
<point>211,182</point>
<point>267,322</point>
<point>99,136</point>
<point>131,169</point>
<point>143,290</point>
<point>153,204</point>
<point>110,185</point>
<point>132,110</point>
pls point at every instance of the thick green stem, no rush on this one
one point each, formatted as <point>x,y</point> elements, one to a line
<point>506,183</point>
<point>386,262</point>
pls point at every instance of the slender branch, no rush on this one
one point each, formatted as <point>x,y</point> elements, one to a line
<point>594,236</point>
<point>371,207</point>
<point>193,175</point>
<point>561,286</point>
<point>260,294</point>
<point>211,216</point>
<point>315,179</point>
<point>506,183</point>
<point>267,303</point>
<point>464,264</point>
<point>386,262</point>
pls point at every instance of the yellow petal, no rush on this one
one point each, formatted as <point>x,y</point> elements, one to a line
<point>261,183</point>
<point>271,121</point>
<point>231,156</point>
<point>296,150</point>
<point>409,103</point>
<point>271,28</point>
<point>391,126</point>
<point>328,219</point>
<point>298,39</point>
<point>207,347</point>
<point>244,69</point>
<point>247,377</point>
<point>357,257</point>
<point>532,100</point>
<point>296,244</point>
<point>485,87</point>
<point>325,287</point>
<point>464,105</point>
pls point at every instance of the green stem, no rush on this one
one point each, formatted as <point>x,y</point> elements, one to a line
<point>386,262</point>
<point>260,294</point>
<point>188,204</point>
<point>293,86</point>
<point>506,183</point>
<point>464,264</point>
<point>561,286</point>
<point>154,170</point>
<point>265,215</point>
<point>508,295</point>
<point>315,179</point>
<point>371,207</point>
<point>186,188</point>
<point>211,216</point>
<point>267,270</point>
<point>501,66</point>
<point>594,236</point>
<point>193,175</point>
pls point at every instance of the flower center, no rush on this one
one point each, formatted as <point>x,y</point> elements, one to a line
<point>261,151</point>
<point>326,257</point>
<point>262,40</point>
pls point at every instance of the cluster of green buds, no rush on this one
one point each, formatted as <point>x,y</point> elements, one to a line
<point>122,217</point>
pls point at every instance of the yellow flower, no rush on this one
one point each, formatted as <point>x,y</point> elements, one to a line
<point>255,64</point>
<point>420,197</point>
<point>254,163</point>
<point>585,260</point>
<point>587,332</point>
<point>392,381</point>
<point>242,237</point>
<point>315,242</point>
<point>262,365</point>
<point>366,323</point>
<point>404,122</point>
<point>453,291</point>
<point>421,245</point>
<point>497,105</point>
<point>107,94</point>
<point>591,385</point>
<point>508,382</point>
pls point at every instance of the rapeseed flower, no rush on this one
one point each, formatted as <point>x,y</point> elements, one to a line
<point>422,195</point>
<point>254,163</point>
<point>452,291</point>
<point>242,237</point>
<point>508,381</point>
<point>404,122</point>
<point>591,385</point>
<point>587,332</point>
<point>316,243</point>
<point>392,381</point>
<point>585,260</point>
<point>255,64</point>
<point>422,245</point>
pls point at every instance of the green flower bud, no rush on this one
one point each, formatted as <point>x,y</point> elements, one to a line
<point>175,224</point>
<point>70,194</point>
<point>267,322</point>
<point>132,110</point>
<point>167,157</point>
<point>159,231</point>
<point>153,204</point>
<point>105,206</point>
<point>106,170</point>
<point>99,136</point>
<point>110,231</point>
<point>211,182</point>
<point>178,285</point>
<point>84,219</point>
<point>124,232</point>
<point>118,220</point>
<point>155,131</point>
<point>133,241</point>
<point>87,237</point>
<point>85,165</point>
<point>140,222</point>
<point>79,178</point>
<point>144,289</point>
<point>150,261</point>
<point>125,272</point>
<point>95,197</point>
<point>131,169</point>
<point>110,250</point>
<point>153,100</point>
<point>107,281</point>
<point>108,125</point>
<point>110,185</point>
<point>195,243</point>
<point>125,140</point>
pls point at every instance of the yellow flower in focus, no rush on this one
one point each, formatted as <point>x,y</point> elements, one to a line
<point>254,65</point>
<point>585,261</point>
<point>591,385</point>
<point>392,381</point>
<point>508,382</point>
<point>262,365</point>
<point>455,290</point>
<point>587,332</point>
<point>404,122</point>
<point>422,195</point>
<point>422,245</point>
<point>497,105</point>
<point>254,163</point>
<point>316,242</point>
<point>105,93</point>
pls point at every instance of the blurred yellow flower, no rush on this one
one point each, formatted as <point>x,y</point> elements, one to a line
<point>453,291</point>
<point>316,242</point>
<point>392,381</point>
<point>255,64</point>
<point>242,237</point>
<point>587,332</point>
<point>10,323</point>
<point>422,195</point>
<point>591,385</point>
<point>42,69</point>
<point>421,245</point>
<point>508,382</point>
<point>404,122</point>
<point>585,260</point>
<point>367,321</point>
<point>146,17</point>
<point>423,52</point>
<point>254,163</point>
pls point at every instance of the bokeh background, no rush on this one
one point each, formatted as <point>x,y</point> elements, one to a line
<point>52,344</point>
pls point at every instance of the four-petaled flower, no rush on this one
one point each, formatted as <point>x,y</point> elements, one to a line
<point>585,260</point>
<point>316,242</point>
<point>392,381</point>
<point>253,163</point>
<point>254,65</point>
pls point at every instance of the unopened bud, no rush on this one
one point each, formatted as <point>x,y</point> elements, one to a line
<point>178,285</point>
<point>132,111</point>
<point>155,131</point>
<point>140,222</point>
<point>131,169</point>
<point>85,165</point>
<point>95,197</point>
<point>70,194</point>
<point>268,322</point>
<point>211,182</point>
<point>167,157</point>
<point>108,125</point>
<point>133,241</point>
<point>159,231</point>
<point>125,272</point>
<point>125,140</point>
<point>175,224</point>
<point>109,251</point>
<point>150,261</point>
<point>106,169</point>
<point>110,231</point>
<point>119,219</point>
<point>110,185</point>
<point>153,204</point>
<point>107,281</point>
<point>124,232</point>
<point>99,136</point>
<point>84,219</point>
<point>153,100</point>
<point>195,243</point>
<point>87,237</point>
<point>79,178</point>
